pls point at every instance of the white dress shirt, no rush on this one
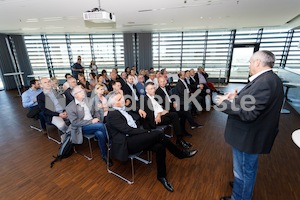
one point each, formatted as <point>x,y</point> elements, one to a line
<point>185,85</point>
<point>129,119</point>
<point>87,112</point>
<point>156,107</point>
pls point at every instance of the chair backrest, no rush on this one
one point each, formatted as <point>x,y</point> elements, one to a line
<point>174,91</point>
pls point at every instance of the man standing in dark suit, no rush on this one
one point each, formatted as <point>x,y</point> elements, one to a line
<point>253,120</point>
<point>128,139</point>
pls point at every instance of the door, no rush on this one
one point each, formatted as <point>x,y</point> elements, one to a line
<point>239,69</point>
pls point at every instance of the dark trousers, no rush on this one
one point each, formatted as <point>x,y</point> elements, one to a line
<point>157,142</point>
<point>172,118</point>
<point>185,116</point>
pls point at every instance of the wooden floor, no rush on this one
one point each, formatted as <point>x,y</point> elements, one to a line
<point>26,174</point>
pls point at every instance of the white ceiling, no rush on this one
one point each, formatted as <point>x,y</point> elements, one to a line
<point>65,16</point>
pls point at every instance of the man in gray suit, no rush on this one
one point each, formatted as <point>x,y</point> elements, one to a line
<point>253,120</point>
<point>80,113</point>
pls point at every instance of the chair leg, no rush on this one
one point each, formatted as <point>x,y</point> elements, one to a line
<point>90,157</point>
<point>91,151</point>
<point>51,138</point>
<point>36,128</point>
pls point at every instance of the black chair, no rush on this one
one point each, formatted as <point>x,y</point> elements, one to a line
<point>131,157</point>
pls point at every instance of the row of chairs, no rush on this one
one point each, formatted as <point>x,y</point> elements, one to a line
<point>89,139</point>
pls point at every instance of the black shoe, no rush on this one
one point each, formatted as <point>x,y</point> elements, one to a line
<point>197,126</point>
<point>231,184</point>
<point>110,163</point>
<point>166,184</point>
<point>187,134</point>
<point>187,143</point>
<point>188,154</point>
<point>182,143</point>
<point>226,198</point>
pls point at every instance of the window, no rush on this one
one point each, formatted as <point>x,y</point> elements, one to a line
<point>62,51</point>
<point>293,60</point>
<point>36,54</point>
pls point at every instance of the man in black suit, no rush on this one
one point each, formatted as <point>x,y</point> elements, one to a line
<point>185,93</point>
<point>128,139</point>
<point>130,89</point>
<point>122,78</point>
<point>169,104</point>
<point>253,120</point>
<point>156,115</point>
<point>194,87</point>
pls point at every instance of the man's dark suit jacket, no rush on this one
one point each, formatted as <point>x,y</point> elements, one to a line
<point>196,77</point>
<point>180,88</point>
<point>122,81</point>
<point>192,85</point>
<point>118,129</point>
<point>48,109</point>
<point>127,91</point>
<point>69,96</point>
<point>165,103</point>
<point>254,131</point>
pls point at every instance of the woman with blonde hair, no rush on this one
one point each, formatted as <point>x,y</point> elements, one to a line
<point>100,102</point>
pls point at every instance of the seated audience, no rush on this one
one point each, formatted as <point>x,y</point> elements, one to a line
<point>194,87</point>
<point>68,93</point>
<point>29,100</point>
<point>93,79</point>
<point>135,79</point>
<point>152,79</point>
<point>84,84</point>
<point>105,76</point>
<point>170,105</point>
<point>127,139</point>
<point>100,79</point>
<point>122,78</point>
<point>156,115</point>
<point>140,86</point>
<point>80,112</point>
<point>52,105</point>
<point>100,103</point>
<point>113,78</point>
<point>66,84</point>
<point>93,67</point>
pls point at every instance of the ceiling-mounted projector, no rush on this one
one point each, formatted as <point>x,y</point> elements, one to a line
<point>99,15</point>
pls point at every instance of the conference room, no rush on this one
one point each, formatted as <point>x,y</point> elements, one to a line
<point>231,43</point>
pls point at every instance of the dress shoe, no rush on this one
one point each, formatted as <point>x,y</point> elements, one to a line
<point>188,154</point>
<point>187,134</point>
<point>231,184</point>
<point>197,126</point>
<point>226,198</point>
<point>187,143</point>
<point>166,184</point>
<point>110,163</point>
<point>182,143</point>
